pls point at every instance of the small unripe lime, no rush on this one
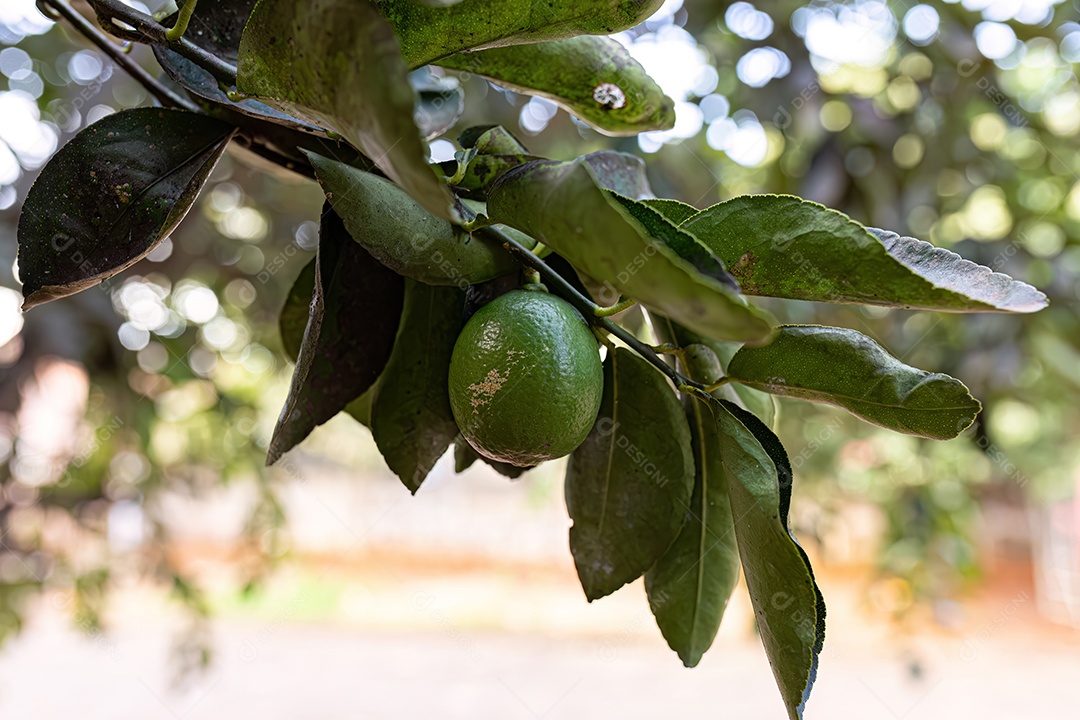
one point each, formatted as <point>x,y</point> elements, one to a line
<point>525,379</point>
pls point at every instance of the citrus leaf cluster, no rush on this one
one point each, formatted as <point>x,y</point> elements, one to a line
<point>455,304</point>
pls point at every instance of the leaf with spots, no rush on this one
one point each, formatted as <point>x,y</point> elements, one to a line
<point>628,485</point>
<point>353,319</point>
<point>411,419</point>
<point>783,246</point>
<point>337,64</point>
<point>593,78</point>
<point>428,33</point>
<point>847,369</point>
<point>111,195</point>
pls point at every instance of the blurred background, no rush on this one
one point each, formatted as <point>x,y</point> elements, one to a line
<point>151,567</point>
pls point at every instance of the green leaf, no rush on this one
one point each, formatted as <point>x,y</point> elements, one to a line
<point>336,63</point>
<point>628,485</point>
<point>783,246</point>
<point>430,33</point>
<point>411,419</point>
<point>562,205</point>
<point>492,140</point>
<point>465,456</point>
<point>293,318</point>
<point>685,245</point>
<point>403,235</point>
<point>690,586</point>
<point>354,316</point>
<point>788,605</point>
<point>593,78</point>
<point>111,195</point>
<point>292,321</point>
<point>675,211</point>
<point>849,370</point>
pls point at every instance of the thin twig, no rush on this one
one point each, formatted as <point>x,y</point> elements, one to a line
<point>584,305</point>
<point>86,28</point>
<point>145,29</point>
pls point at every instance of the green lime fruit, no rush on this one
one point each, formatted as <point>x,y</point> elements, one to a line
<point>525,379</point>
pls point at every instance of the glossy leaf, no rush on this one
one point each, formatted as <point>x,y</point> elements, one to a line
<point>337,64</point>
<point>429,33</point>
<point>411,419</point>
<point>111,195</point>
<point>593,78</point>
<point>217,27</point>
<point>690,586</point>
<point>628,485</point>
<point>849,370</point>
<point>783,246</point>
<point>788,605</point>
<point>403,235</point>
<point>354,315</point>
<point>562,205</point>
<point>292,321</point>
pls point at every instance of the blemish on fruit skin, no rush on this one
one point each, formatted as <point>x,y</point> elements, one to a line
<point>483,391</point>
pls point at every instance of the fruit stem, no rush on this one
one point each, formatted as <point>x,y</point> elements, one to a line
<point>584,305</point>
<point>623,304</point>
<point>177,30</point>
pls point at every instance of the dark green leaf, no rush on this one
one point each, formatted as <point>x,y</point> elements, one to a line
<point>489,151</point>
<point>430,33</point>
<point>620,172</point>
<point>784,246</point>
<point>293,318</point>
<point>847,369</point>
<point>628,485</point>
<point>681,242</point>
<point>690,586</point>
<point>355,310</point>
<point>562,205</point>
<point>593,78</point>
<point>492,140</point>
<point>336,63</point>
<point>404,236</point>
<point>110,195</point>
<point>674,211</point>
<point>789,608</point>
<point>441,102</point>
<point>217,27</point>
<point>292,321</point>
<point>411,419</point>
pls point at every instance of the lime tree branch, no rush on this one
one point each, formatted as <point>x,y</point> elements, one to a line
<point>584,305</point>
<point>59,9</point>
<point>164,95</point>
<point>130,24</point>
